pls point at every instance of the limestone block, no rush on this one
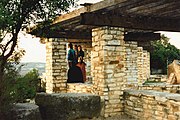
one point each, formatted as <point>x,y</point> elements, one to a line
<point>107,36</point>
<point>68,106</point>
<point>114,42</point>
<point>25,111</point>
<point>174,72</point>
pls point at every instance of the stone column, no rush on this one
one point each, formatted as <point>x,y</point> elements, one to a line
<point>146,70</point>
<point>148,65</point>
<point>143,65</point>
<point>131,62</point>
<point>56,65</point>
<point>140,64</point>
<point>107,67</point>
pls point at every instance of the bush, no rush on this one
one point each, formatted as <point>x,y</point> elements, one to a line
<point>163,53</point>
<point>16,88</point>
<point>26,86</point>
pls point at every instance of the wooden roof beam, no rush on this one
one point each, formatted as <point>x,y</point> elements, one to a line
<point>135,22</point>
<point>91,8</point>
<point>69,34</point>
<point>141,36</point>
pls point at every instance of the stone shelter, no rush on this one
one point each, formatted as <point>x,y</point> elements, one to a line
<point>115,35</point>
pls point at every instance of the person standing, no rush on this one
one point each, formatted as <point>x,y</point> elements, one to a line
<point>74,73</point>
<point>76,52</point>
<point>71,56</point>
<point>81,63</point>
<point>80,53</point>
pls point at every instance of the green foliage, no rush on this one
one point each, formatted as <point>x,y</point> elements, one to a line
<point>17,88</point>
<point>26,86</point>
<point>15,15</point>
<point>14,11</point>
<point>7,95</point>
<point>163,53</point>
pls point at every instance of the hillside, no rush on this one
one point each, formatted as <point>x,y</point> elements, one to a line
<point>28,66</point>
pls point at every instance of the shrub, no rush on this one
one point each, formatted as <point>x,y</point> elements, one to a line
<point>26,86</point>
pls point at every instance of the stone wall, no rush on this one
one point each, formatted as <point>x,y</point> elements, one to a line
<point>143,63</point>
<point>80,88</point>
<point>152,105</point>
<point>158,87</point>
<point>56,65</point>
<point>131,62</point>
<point>114,64</point>
<point>108,66</point>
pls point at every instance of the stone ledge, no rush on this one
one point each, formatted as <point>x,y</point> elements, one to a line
<point>148,104</point>
<point>156,94</point>
<point>68,106</point>
<point>162,87</point>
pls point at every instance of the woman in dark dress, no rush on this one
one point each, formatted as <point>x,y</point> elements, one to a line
<point>81,63</point>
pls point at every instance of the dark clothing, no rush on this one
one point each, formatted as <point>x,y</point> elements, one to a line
<point>76,53</point>
<point>80,56</point>
<point>81,53</point>
<point>83,70</point>
<point>75,75</point>
<point>71,58</point>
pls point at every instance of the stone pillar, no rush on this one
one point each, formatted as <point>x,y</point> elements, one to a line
<point>107,67</point>
<point>146,67</point>
<point>56,65</point>
<point>143,65</point>
<point>131,62</point>
<point>140,64</point>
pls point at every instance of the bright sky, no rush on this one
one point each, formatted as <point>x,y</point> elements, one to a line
<point>36,52</point>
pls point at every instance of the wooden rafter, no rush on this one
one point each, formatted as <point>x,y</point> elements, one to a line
<point>126,21</point>
<point>141,36</point>
<point>153,15</point>
<point>69,34</point>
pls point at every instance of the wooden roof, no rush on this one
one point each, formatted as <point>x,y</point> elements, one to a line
<point>147,15</point>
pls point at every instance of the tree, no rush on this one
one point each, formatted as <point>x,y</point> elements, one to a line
<point>18,14</point>
<point>163,53</point>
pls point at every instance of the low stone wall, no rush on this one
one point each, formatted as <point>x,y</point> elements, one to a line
<point>158,78</point>
<point>68,106</point>
<point>161,87</point>
<point>80,88</point>
<point>152,105</point>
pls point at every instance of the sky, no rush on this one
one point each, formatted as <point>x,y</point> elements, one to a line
<point>36,52</point>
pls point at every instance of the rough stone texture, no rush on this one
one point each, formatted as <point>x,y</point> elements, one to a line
<point>174,72</point>
<point>108,66</point>
<point>114,65</point>
<point>161,87</point>
<point>143,62</point>
<point>152,105</point>
<point>131,62</point>
<point>25,111</point>
<point>80,88</point>
<point>68,106</point>
<point>56,65</point>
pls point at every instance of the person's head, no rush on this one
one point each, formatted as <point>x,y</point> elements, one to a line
<point>70,45</point>
<point>75,47</point>
<point>79,48</point>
